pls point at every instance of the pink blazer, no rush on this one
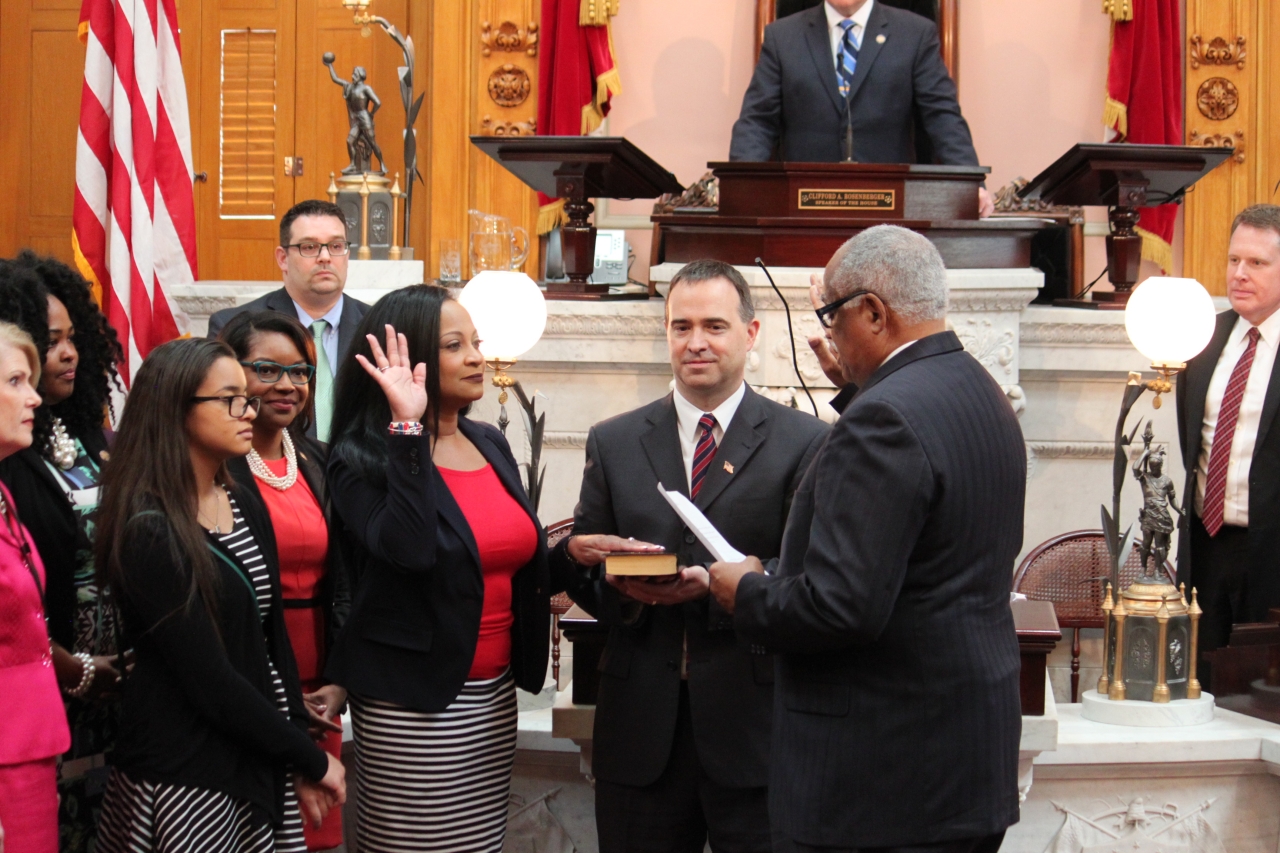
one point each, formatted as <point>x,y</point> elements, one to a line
<point>35,723</point>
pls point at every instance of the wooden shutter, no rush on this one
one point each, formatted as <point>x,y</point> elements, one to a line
<point>247,125</point>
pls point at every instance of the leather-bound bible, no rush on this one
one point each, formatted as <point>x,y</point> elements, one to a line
<point>641,564</point>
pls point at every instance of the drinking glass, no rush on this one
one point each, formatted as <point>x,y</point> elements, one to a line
<point>451,260</point>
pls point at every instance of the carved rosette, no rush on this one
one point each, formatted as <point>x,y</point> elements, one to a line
<point>1217,98</point>
<point>509,86</point>
<point>1217,52</point>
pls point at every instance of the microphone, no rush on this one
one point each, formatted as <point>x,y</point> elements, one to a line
<point>795,362</point>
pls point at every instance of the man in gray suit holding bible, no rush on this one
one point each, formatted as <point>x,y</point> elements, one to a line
<point>681,743</point>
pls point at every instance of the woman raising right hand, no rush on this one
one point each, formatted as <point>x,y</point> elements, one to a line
<point>213,717</point>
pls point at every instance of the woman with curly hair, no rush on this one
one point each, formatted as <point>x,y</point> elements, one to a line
<point>54,483</point>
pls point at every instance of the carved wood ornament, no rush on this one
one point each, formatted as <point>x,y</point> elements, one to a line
<point>509,38</point>
<point>489,127</point>
<point>509,86</point>
<point>1218,52</point>
<point>1217,98</point>
<point>1220,140</point>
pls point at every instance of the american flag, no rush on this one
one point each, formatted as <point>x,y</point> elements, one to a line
<point>134,225</point>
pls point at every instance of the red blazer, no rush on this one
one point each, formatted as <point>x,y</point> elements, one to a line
<point>35,724</point>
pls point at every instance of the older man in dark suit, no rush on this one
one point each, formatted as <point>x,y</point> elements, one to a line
<point>897,720</point>
<point>1227,402</point>
<point>681,743</point>
<point>863,57</point>
<point>312,257</point>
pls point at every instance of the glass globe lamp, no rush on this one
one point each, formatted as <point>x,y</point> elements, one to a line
<point>510,314</point>
<point>1169,320</point>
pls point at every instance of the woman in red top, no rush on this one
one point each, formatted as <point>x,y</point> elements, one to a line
<point>451,612</point>
<point>35,725</point>
<point>286,469</point>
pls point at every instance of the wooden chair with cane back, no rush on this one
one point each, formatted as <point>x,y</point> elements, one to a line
<point>1070,571</point>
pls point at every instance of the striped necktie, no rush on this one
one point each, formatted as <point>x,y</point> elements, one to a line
<point>324,382</point>
<point>1224,433</point>
<point>703,453</point>
<point>846,59</point>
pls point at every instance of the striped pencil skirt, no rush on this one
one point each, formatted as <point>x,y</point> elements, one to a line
<point>436,781</point>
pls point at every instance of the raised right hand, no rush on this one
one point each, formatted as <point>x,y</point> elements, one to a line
<point>405,386</point>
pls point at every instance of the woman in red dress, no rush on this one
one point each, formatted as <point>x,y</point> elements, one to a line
<point>286,468</point>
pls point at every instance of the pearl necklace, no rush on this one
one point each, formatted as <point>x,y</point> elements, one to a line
<point>62,447</point>
<point>263,473</point>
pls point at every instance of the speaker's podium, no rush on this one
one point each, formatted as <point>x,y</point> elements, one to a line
<point>798,214</point>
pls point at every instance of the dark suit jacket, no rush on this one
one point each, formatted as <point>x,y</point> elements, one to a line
<point>897,718</point>
<point>199,707</point>
<point>1264,476</point>
<point>793,104</point>
<point>45,510</point>
<point>730,688</point>
<point>415,617</point>
<point>353,311</point>
<point>335,587</point>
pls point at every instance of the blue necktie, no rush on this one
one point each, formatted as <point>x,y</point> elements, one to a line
<point>846,59</point>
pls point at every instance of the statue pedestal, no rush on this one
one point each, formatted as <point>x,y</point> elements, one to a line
<point>1135,712</point>
<point>376,222</point>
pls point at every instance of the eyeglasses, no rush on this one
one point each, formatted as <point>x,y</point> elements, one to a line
<point>827,313</point>
<point>269,371</point>
<point>237,405</point>
<point>311,249</point>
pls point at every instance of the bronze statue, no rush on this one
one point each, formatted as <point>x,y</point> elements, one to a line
<point>1158,497</point>
<point>362,104</point>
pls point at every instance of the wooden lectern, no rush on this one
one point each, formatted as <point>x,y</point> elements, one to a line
<point>1123,177</point>
<point>798,214</point>
<point>577,169</point>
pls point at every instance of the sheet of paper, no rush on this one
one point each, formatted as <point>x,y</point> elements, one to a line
<point>702,528</point>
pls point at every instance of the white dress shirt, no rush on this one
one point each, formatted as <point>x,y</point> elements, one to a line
<point>835,33</point>
<point>329,337</point>
<point>1235,510</point>
<point>687,417</point>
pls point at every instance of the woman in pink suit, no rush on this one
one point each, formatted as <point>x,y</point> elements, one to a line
<point>35,726</point>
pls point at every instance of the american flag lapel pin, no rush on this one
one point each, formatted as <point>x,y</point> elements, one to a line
<point>728,466</point>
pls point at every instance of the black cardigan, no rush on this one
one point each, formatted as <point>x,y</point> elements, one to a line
<point>45,510</point>
<point>335,588</point>
<point>199,708</point>
<point>415,617</point>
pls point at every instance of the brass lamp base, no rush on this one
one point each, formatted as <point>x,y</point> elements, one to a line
<point>501,380</point>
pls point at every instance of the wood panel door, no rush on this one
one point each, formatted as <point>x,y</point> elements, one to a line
<point>243,129</point>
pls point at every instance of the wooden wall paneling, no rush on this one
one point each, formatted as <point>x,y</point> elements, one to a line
<point>1221,105</point>
<point>234,244</point>
<point>1266,162</point>
<point>43,64</point>
<point>322,124</point>
<point>444,125</point>
<point>505,103</point>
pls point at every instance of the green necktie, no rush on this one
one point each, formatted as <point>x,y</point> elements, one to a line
<point>324,382</point>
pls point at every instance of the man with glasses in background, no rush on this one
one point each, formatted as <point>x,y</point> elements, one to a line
<point>312,257</point>
<point>896,722</point>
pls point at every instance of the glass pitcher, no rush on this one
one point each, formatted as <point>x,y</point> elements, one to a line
<point>495,243</point>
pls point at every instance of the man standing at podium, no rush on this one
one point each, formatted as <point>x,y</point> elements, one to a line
<point>682,726</point>
<point>852,65</point>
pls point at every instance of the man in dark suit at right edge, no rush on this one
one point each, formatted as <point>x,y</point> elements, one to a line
<point>882,62</point>
<point>896,717</point>
<point>1229,539</point>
